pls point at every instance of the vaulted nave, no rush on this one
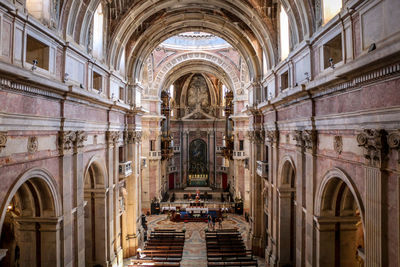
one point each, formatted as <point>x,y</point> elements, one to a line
<point>199,133</point>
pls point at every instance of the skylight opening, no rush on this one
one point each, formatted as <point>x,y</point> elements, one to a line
<point>195,41</point>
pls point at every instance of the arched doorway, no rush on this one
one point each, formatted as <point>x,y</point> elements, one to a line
<point>95,216</point>
<point>339,227</point>
<point>287,215</point>
<point>31,222</point>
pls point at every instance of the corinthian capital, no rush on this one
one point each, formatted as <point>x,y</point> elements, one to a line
<point>374,145</point>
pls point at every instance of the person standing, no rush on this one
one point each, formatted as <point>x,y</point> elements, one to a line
<point>209,221</point>
<point>213,223</point>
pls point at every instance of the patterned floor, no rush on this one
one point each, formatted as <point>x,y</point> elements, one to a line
<point>194,252</point>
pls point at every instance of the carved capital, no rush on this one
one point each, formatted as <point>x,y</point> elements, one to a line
<point>138,136</point>
<point>33,144</point>
<point>394,142</point>
<point>66,140</point>
<point>81,137</point>
<point>3,140</point>
<point>374,144</point>
<point>309,139</point>
<point>113,136</point>
<point>298,137</point>
<point>271,136</point>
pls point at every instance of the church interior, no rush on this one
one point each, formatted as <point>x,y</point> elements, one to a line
<point>199,133</point>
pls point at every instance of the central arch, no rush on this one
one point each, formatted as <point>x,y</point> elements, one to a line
<point>201,59</point>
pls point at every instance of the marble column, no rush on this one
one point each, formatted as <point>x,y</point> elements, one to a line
<point>79,215</point>
<point>66,143</point>
<point>300,197</point>
<point>374,144</point>
<point>130,240</point>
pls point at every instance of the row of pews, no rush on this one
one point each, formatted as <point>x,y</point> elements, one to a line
<point>226,248</point>
<point>164,248</point>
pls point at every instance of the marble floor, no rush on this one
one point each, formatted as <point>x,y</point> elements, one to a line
<point>194,252</point>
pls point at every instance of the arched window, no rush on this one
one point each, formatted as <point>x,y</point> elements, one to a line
<point>284,33</point>
<point>330,9</point>
<point>265,64</point>
<point>98,32</point>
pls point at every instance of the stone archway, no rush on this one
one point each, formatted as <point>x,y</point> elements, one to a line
<point>31,221</point>
<point>339,222</point>
<point>287,214</point>
<point>95,196</point>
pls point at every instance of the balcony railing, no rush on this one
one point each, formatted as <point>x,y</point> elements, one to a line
<point>241,155</point>
<point>262,169</point>
<point>220,149</point>
<point>223,169</point>
<point>172,169</point>
<point>154,155</point>
<point>125,169</point>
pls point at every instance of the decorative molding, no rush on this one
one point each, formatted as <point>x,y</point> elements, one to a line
<point>374,144</point>
<point>338,144</point>
<point>33,144</point>
<point>3,140</point>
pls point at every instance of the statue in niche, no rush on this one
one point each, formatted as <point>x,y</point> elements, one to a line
<point>198,94</point>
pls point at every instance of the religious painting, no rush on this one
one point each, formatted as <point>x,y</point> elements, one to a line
<point>198,94</point>
<point>198,171</point>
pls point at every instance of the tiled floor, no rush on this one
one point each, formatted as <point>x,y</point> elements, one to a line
<point>194,253</point>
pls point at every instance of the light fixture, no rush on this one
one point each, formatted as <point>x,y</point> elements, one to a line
<point>10,207</point>
<point>332,65</point>
<point>34,64</point>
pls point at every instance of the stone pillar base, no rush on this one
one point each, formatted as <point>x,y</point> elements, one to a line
<point>257,247</point>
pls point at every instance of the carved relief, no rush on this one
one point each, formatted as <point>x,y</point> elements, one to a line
<point>338,144</point>
<point>3,140</point>
<point>33,144</point>
<point>374,144</point>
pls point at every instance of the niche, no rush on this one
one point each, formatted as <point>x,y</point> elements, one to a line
<point>38,51</point>
<point>333,51</point>
<point>285,80</point>
<point>97,81</point>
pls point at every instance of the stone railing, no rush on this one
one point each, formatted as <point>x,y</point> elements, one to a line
<point>125,169</point>
<point>223,169</point>
<point>177,149</point>
<point>154,155</point>
<point>241,155</point>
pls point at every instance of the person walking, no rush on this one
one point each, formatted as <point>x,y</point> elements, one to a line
<point>209,221</point>
<point>220,222</point>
